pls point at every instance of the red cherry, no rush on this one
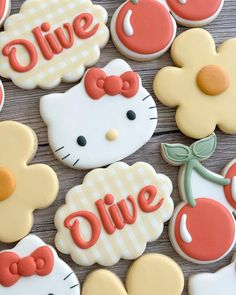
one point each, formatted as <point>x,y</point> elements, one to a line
<point>195,10</point>
<point>152,26</point>
<point>211,227</point>
<point>229,190</point>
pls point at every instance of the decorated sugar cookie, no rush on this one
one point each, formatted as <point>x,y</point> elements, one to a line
<point>52,41</point>
<point>32,267</point>
<point>202,85</point>
<point>192,13</point>
<point>112,99</point>
<point>143,29</point>
<point>5,9</point>
<point>202,229</point>
<point>23,188</point>
<point>151,274</point>
<point>219,283</point>
<point>113,214</point>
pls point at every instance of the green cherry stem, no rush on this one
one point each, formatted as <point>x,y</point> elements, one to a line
<point>196,165</point>
<point>134,1</point>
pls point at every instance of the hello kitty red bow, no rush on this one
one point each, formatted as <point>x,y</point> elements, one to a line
<point>97,84</point>
<point>12,267</point>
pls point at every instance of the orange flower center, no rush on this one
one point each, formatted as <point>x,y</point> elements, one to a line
<point>7,183</point>
<point>213,80</point>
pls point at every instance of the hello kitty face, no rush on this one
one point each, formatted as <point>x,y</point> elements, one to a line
<point>219,283</point>
<point>105,118</point>
<point>33,268</point>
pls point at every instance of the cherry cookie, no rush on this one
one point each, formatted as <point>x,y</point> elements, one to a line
<point>5,9</point>
<point>202,229</point>
<point>151,274</point>
<point>113,214</point>
<point>219,283</point>
<point>32,267</point>
<point>195,13</point>
<point>145,29</point>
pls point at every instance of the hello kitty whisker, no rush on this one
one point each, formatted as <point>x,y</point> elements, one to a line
<point>75,162</point>
<point>72,287</point>
<point>152,107</point>
<point>68,276</point>
<point>61,148</point>
<point>153,118</point>
<point>65,157</point>
<point>146,97</point>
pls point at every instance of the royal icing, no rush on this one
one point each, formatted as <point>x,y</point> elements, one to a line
<point>143,30</point>
<point>23,188</point>
<point>202,229</point>
<point>111,98</point>
<point>219,283</point>
<point>192,13</point>
<point>111,206</point>
<point>32,267</point>
<point>5,9</point>
<point>52,41</point>
<point>208,99</point>
<point>150,274</point>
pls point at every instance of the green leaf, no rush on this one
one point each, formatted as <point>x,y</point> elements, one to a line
<point>176,154</point>
<point>204,148</point>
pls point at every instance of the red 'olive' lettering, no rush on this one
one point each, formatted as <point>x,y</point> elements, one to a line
<point>75,228</point>
<point>113,216</point>
<point>50,43</point>
<point>146,197</point>
<point>10,51</point>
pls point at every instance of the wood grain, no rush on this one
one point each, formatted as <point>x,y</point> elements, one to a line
<point>23,106</point>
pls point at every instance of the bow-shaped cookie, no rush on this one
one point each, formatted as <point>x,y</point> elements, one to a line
<point>152,274</point>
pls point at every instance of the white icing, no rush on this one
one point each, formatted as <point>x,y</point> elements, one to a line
<point>183,1</point>
<point>127,26</point>
<point>75,114</point>
<point>62,279</point>
<point>233,192</point>
<point>6,12</point>
<point>219,283</point>
<point>185,235</point>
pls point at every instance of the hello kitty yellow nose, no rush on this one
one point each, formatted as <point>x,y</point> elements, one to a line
<point>112,135</point>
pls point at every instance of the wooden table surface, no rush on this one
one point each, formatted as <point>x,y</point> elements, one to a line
<point>23,106</point>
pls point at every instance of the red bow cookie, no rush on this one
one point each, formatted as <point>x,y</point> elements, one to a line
<point>40,263</point>
<point>97,84</point>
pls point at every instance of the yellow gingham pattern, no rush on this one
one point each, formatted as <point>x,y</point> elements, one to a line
<point>69,65</point>
<point>121,180</point>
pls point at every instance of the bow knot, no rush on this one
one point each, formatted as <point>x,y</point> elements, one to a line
<point>40,263</point>
<point>97,84</point>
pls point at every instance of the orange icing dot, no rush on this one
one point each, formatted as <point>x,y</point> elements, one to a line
<point>7,183</point>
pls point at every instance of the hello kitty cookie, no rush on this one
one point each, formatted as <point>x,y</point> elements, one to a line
<point>113,214</point>
<point>202,229</point>
<point>108,116</point>
<point>32,267</point>
<point>52,41</point>
<point>192,13</point>
<point>2,95</point>
<point>220,283</point>
<point>143,29</point>
<point>5,9</point>
<point>151,274</point>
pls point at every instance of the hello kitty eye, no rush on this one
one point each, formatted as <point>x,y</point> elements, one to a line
<point>131,115</point>
<point>81,140</point>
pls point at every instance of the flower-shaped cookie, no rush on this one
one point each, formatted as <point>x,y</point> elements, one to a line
<point>23,188</point>
<point>202,86</point>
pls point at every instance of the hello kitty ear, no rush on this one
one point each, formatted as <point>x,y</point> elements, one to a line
<point>48,106</point>
<point>117,67</point>
<point>28,245</point>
